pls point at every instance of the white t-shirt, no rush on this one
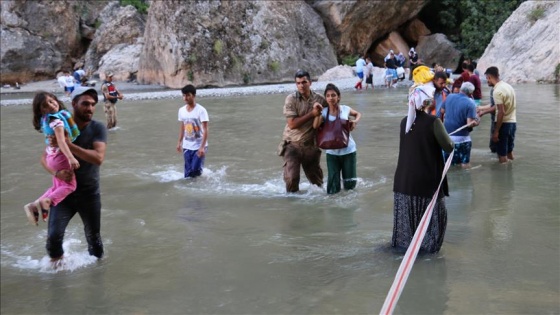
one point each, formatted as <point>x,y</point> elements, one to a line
<point>69,81</point>
<point>360,64</point>
<point>368,70</point>
<point>344,114</point>
<point>192,126</point>
<point>62,81</point>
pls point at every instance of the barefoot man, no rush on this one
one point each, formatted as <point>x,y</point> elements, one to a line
<point>506,124</point>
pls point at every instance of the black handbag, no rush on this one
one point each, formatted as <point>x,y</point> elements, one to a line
<point>333,134</point>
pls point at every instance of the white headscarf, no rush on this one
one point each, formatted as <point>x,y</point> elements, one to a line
<point>416,101</point>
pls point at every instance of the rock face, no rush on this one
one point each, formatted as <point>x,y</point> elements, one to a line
<point>217,43</point>
<point>526,47</point>
<point>118,27</point>
<point>394,42</point>
<point>40,38</point>
<point>437,48</point>
<point>413,30</point>
<point>353,26</point>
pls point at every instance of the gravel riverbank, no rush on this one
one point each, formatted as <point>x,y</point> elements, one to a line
<point>133,92</point>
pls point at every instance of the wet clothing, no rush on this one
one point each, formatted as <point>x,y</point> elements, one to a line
<point>506,137</point>
<point>307,156</point>
<point>338,165</point>
<point>419,169</point>
<point>341,161</point>
<point>462,153</point>
<point>85,200</point>
<point>407,215</point>
<point>88,206</point>
<point>110,110</point>
<point>193,163</point>
<point>503,93</point>
<point>300,148</point>
<point>193,133</point>
<point>110,104</point>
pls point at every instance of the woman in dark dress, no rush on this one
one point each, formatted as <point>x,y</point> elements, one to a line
<point>419,170</point>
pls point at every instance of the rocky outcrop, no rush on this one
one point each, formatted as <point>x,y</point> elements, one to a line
<point>353,26</point>
<point>526,47</point>
<point>393,42</point>
<point>118,27</point>
<point>413,30</point>
<point>40,38</point>
<point>437,48</point>
<point>218,43</point>
<point>122,60</point>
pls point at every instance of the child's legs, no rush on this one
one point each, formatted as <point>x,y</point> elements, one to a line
<point>349,178</point>
<point>59,189</point>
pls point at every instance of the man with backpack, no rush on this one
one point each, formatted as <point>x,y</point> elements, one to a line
<point>111,95</point>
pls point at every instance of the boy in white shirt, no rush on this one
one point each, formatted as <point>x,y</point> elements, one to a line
<point>193,133</point>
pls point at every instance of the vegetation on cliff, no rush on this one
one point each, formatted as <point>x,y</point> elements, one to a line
<point>470,24</point>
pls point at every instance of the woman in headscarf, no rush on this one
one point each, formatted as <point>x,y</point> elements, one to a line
<point>419,169</point>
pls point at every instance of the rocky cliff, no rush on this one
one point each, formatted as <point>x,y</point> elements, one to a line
<point>40,38</point>
<point>216,43</point>
<point>527,46</point>
<point>117,43</point>
<point>357,27</point>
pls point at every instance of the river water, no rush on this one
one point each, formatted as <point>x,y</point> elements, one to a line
<point>232,242</point>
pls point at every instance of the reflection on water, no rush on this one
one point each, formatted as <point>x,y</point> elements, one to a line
<point>231,241</point>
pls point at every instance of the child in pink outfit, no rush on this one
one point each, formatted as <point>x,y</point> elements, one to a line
<point>51,117</point>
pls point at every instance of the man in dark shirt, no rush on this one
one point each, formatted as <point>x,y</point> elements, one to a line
<point>89,149</point>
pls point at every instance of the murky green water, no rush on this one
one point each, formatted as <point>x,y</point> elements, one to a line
<point>232,242</point>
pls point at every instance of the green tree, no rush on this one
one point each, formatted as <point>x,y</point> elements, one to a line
<point>470,24</point>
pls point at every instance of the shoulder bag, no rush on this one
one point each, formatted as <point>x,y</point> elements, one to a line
<point>333,134</point>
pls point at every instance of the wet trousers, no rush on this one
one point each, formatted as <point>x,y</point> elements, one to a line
<point>111,114</point>
<point>341,164</point>
<point>306,156</point>
<point>88,206</point>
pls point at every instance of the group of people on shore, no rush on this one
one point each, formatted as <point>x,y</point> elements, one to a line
<point>394,68</point>
<point>76,149</point>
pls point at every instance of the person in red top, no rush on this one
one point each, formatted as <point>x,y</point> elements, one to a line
<point>475,80</point>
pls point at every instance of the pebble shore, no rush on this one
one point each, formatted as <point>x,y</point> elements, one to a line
<point>133,93</point>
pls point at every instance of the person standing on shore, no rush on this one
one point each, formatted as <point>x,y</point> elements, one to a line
<point>505,108</point>
<point>360,64</point>
<point>89,149</point>
<point>193,133</point>
<point>298,147</point>
<point>368,73</point>
<point>69,83</point>
<point>111,95</point>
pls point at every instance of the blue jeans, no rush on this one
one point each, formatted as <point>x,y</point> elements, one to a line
<point>193,163</point>
<point>506,138</point>
<point>88,206</point>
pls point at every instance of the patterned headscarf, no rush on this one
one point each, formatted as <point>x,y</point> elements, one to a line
<point>419,97</point>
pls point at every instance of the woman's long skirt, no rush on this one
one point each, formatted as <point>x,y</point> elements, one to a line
<point>408,211</point>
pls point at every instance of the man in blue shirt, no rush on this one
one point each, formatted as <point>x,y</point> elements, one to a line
<point>457,111</point>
